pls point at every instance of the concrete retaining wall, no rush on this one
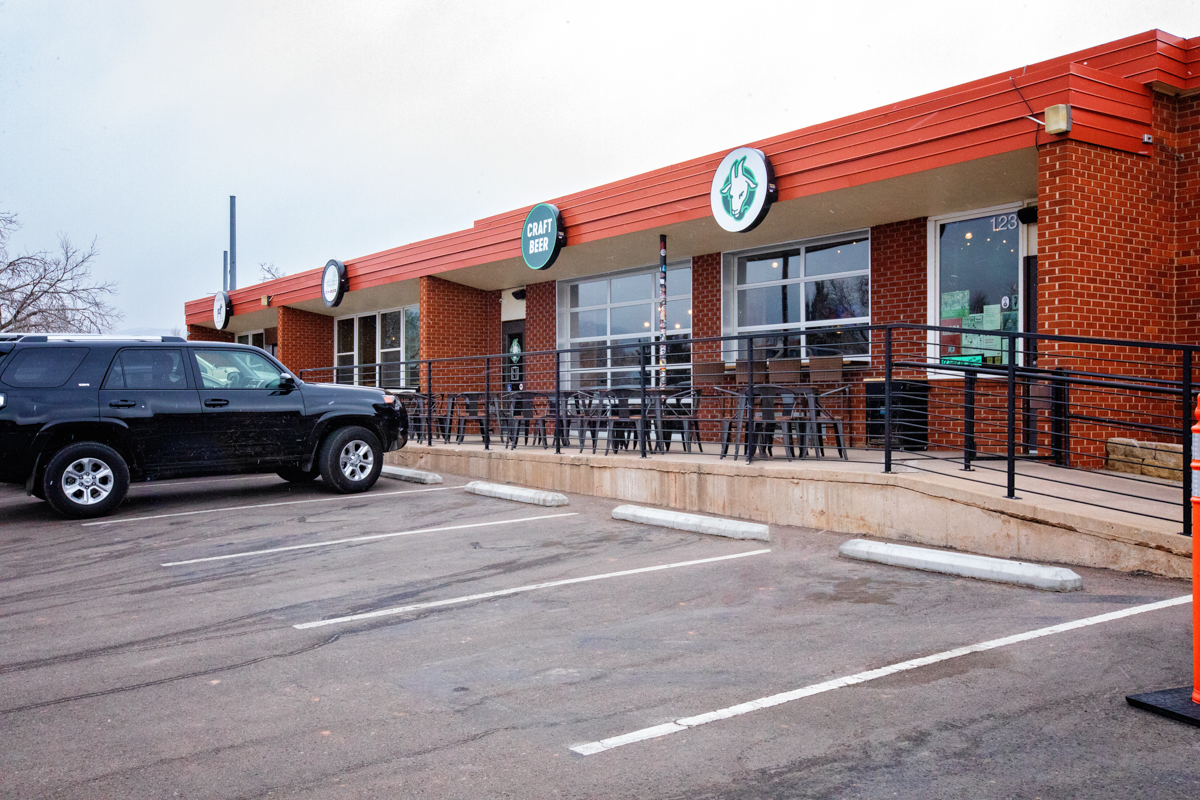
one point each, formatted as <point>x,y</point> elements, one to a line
<point>923,508</point>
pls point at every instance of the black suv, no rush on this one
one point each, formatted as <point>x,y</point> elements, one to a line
<point>80,417</point>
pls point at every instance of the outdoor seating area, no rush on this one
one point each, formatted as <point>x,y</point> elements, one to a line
<point>1072,403</point>
<point>804,414</point>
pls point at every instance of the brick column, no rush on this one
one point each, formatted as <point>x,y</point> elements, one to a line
<point>199,333</point>
<point>306,341</point>
<point>541,333</point>
<point>456,321</point>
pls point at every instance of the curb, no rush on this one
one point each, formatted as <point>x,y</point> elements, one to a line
<point>410,475</point>
<point>696,523</point>
<point>1022,573</point>
<point>517,493</point>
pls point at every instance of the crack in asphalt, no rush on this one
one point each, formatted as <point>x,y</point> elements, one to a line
<point>172,679</point>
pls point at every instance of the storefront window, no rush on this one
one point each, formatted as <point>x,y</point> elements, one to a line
<point>389,339</point>
<point>610,319</point>
<point>978,277</point>
<point>800,300</point>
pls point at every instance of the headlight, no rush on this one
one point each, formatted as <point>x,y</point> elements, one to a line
<point>2,401</point>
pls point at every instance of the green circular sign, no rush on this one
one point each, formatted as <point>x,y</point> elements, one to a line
<point>542,237</point>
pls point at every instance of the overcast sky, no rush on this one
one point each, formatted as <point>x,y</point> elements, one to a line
<point>345,128</point>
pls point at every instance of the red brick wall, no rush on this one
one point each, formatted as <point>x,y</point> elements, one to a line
<point>456,321</point>
<point>899,270</point>
<point>1110,226</point>
<point>1105,238</point>
<point>199,333</point>
<point>706,306</point>
<point>541,333</point>
<point>1186,144</point>
<point>305,341</point>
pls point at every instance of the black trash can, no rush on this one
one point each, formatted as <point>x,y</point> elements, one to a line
<point>910,414</point>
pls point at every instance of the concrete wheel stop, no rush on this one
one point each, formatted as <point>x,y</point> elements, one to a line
<point>517,494</point>
<point>1174,704</point>
<point>410,475</point>
<point>1053,579</point>
<point>696,523</point>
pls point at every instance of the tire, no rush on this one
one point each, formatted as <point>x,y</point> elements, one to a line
<point>351,459</point>
<point>85,479</point>
<point>297,475</point>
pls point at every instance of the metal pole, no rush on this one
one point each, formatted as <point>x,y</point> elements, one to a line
<point>429,399</point>
<point>887,399</point>
<point>225,272</point>
<point>750,400</point>
<point>969,422</point>
<point>1189,449</point>
<point>558,420</point>
<point>487,402</point>
<point>643,364</point>
<point>232,242</point>
<point>662,311</point>
<point>1012,417</point>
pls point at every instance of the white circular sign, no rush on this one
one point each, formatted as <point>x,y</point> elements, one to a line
<point>222,307</point>
<point>333,283</point>
<point>741,189</point>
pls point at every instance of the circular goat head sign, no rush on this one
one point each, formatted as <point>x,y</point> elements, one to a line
<point>222,310</point>
<point>742,190</point>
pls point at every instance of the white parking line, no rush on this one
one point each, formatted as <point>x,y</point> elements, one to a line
<point>684,723</point>
<point>502,592</point>
<point>372,537</point>
<point>342,497</point>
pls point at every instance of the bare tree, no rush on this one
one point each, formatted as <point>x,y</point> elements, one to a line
<point>269,271</point>
<point>52,291</point>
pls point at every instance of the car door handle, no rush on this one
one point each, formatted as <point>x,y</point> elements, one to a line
<point>122,404</point>
<point>215,403</point>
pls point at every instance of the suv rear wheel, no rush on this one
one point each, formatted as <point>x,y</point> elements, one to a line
<point>85,479</point>
<point>351,459</point>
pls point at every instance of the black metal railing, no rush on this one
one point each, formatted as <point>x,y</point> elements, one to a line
<point>1034,414</point>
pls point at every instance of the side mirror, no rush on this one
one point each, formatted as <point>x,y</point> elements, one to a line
<point>286,381</point>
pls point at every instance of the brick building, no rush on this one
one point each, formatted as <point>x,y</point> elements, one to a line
<point>1061,197</point>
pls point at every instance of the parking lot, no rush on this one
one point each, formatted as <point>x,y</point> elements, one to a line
<point>245,637</point>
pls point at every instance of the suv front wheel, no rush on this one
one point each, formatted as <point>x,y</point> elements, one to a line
<point>85,479</point>
<point>351,459</point>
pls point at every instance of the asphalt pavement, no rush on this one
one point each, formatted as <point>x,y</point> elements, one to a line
<point>244,637</point>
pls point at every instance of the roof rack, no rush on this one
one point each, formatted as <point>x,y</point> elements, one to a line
<point>84,337</point>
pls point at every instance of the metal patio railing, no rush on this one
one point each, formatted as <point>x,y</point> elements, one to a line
<point>1033,413</point>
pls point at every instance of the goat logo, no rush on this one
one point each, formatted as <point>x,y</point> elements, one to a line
<point>742,189</point>
<point>738,190</point>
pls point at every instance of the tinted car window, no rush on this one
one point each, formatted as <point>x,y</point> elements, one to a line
<point>147,369</point>
<point>43,367</point>
<point>236,369</point>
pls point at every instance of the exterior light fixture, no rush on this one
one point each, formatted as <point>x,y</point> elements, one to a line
<point>1058,119</point>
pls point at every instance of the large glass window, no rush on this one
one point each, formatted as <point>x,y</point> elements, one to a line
<point>978,285</point>
<point>388,339</point>
<point>610,319</point>
<point>800,300</point>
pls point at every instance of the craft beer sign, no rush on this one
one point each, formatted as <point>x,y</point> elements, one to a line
<point>542,237</point>
<point>742,190</point>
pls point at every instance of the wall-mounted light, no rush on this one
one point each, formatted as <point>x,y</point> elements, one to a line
<point>519,294</point>
<point>1058,119</point>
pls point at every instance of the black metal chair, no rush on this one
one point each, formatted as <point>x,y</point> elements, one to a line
<point>678,413</point>
<point>525,413</point>
<point>468,407</point>
<point>624,423</point>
